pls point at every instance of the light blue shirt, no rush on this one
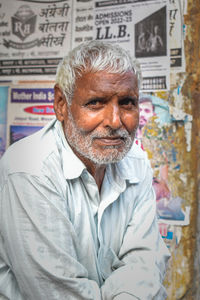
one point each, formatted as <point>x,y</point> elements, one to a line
<point>62,239</point>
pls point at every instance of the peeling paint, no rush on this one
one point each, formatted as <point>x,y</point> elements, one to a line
<point>177,113</point>
<point>188,133</point>
<point>180,115</point>
<point>183,178</point>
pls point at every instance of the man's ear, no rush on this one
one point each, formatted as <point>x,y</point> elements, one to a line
<point>60,103</point>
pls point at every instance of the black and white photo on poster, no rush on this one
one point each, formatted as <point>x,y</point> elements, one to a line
<point>142,28</point>
<point>151,35</point>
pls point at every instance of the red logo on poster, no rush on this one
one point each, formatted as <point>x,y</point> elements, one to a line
<point>40,110</point>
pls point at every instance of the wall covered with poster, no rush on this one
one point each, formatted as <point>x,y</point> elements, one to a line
<point>160,35</point>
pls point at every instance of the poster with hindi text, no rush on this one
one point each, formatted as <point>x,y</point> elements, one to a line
<point>34,36</point>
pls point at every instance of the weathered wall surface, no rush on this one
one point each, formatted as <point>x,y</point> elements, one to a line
<point>196,279</point>
<point>192,92</point>
<point>184,268</point>
<point>180,142</point>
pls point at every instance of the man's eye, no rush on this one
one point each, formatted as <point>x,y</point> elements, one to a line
<point>129,102</point>
<point>94,103</point>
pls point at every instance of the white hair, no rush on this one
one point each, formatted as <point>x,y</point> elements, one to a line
<point>93,56</point>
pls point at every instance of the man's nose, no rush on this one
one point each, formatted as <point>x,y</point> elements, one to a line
<point>112,116</point>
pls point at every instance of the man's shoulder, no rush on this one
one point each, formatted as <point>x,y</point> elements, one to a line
<point>28,154</point>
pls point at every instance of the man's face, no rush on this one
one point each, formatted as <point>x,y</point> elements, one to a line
<point>101,122</point>
<point>146,112</point>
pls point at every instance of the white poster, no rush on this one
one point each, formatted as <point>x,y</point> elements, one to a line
<point>34,36</point>
<point>176,33</point>
<point>83,22</point>
<point>142,28</point>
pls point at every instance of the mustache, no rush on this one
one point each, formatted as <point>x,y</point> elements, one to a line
<point>110,133</point>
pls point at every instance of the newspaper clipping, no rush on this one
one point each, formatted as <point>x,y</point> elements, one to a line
<point>83,22</point>
<point>34,35</point>
<point>142,28</point>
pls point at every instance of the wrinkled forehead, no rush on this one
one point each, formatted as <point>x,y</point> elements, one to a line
<point>89,74</point>
<point>104,85</point>
<point>103,80</point>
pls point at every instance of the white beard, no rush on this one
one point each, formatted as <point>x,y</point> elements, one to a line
<point>83,143</point>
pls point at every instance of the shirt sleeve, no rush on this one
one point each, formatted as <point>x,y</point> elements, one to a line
<point>38,258</point>
<point>143,253</point>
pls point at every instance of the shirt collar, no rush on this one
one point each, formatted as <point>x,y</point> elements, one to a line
<point>128,169</point>
<point>72,165</point>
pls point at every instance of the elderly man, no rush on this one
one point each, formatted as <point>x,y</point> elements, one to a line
<point>77,205</point>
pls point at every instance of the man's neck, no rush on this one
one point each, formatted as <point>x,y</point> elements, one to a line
<point>96,170</point>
